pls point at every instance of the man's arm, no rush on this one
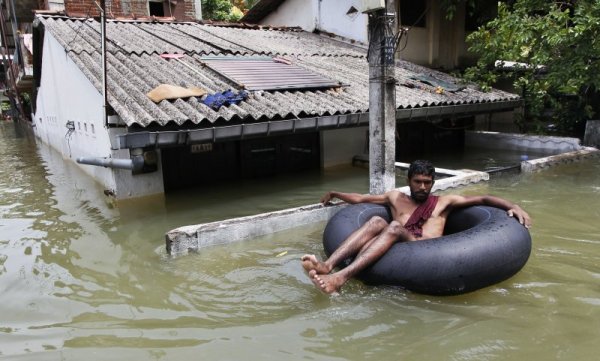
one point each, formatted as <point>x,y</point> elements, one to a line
<point>354,198</point>
<point>512,209</point>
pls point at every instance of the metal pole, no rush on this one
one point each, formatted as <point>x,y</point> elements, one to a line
<point>103,41</point>
<point>382,100</point>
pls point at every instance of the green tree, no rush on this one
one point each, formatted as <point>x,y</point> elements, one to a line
<point>556,45</point>
<point>216,9</point>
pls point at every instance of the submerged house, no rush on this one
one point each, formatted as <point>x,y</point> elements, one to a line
<point>190,104</point>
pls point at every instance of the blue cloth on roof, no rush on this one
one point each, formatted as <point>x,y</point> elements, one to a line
<point>228,97</point>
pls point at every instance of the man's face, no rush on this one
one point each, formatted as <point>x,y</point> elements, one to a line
<point>420,187</point>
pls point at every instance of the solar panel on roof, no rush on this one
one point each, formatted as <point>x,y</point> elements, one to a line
<point>263,73</point>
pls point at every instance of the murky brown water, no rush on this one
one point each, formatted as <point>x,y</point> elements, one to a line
<point>83,280</point>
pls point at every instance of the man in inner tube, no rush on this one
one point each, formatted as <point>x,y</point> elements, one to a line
<point>415,217</point>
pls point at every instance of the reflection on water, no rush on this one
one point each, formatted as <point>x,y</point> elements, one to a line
<point>83,279</point>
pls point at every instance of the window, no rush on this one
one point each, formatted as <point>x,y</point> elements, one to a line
<point>352,13</point>
<point>413,13</point>
<point>156,8</point>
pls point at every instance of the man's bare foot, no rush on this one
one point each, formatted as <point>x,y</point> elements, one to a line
<point>330,284</point>
<point>310,262</point>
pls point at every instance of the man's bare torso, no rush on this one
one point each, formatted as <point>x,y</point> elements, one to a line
<point>403,206</point>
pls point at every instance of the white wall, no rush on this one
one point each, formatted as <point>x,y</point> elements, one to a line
<point>325,15</point>
<point>65,94</point>
<point>302,13</point>
<point>333,19</point>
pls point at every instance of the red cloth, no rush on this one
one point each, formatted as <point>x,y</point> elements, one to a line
<point>416,221</point>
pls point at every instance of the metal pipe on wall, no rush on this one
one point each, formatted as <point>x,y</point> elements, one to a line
<point>108,162</point>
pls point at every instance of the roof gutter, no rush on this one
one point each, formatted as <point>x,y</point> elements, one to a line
<point>161,139</point>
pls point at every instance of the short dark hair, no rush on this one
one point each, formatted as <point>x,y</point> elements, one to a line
<point>423,167</point>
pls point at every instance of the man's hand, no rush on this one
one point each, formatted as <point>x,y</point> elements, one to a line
<point>521,215</point>
<point>326,199</point>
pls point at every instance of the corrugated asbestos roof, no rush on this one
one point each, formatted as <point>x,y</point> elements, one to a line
<point>135,67</point>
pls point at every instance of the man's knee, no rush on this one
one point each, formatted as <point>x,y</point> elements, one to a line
<point>377,222</point>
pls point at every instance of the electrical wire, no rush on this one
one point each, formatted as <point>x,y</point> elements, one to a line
<point>87,16</point>
<point>404,31</point>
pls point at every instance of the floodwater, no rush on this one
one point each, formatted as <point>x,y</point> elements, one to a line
<point>82,279</point>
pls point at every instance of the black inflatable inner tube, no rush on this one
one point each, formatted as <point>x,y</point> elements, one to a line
<point>481,246</point>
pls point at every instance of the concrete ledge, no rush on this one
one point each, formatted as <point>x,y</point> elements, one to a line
<point>495,140</point>
<point>463,178</point>
<point>569,157</point>
<point>187,239</point>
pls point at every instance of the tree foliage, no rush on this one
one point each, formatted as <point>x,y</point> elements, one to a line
<point>557,44</point>
<point>221,10</point>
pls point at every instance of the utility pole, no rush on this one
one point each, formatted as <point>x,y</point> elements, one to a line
<point>103,50</point>
<point>382,98</point>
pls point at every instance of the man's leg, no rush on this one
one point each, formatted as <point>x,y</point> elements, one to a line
<point>370,253</point>
<point>351,246</point>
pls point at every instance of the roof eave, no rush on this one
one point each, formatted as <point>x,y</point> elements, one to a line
<point>161,139</point>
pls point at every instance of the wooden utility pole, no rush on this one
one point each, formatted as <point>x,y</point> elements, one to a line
<point>382,99</point>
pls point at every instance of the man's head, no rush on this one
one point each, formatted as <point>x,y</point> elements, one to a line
<point>421,176</point>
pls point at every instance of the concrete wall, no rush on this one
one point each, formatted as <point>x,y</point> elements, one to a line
<point>495,140</point>
<point>592,133</point>
<point>302,13</point>
<point>503,122</point>
<point>66,95</point>
<point>441,43</point>
<point>333,18</point>
<point>340,145</point>
<point>324,15</point>
<point>535,165</point>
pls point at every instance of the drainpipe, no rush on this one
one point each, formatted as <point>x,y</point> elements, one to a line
<point>318,18</point>
<point>135,164</point>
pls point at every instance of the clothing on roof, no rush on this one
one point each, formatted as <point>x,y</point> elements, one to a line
<point>228,97</point>
<point>166,91</point>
